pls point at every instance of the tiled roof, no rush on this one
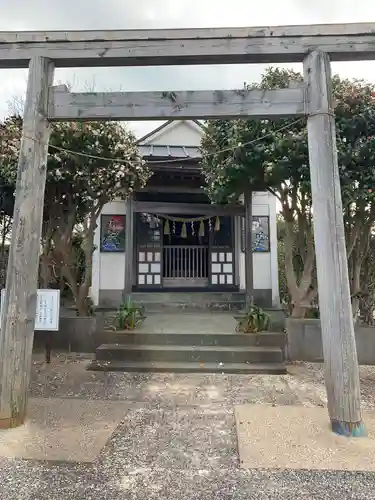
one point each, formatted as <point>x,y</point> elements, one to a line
<point>156,151</point>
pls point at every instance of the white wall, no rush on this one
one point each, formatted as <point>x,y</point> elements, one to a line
<point>264,264</point>
<point>108,270</point>
<point>183,133</point>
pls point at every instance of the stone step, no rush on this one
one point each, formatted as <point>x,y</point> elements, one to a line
<point>182,353</point>
<point>267,339</point>
<point>188,297</point>
<point>166,307</point>
<point>178,367</point>
<point>189,301</point>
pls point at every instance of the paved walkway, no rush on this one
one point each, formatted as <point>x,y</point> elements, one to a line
<point>177,439</point>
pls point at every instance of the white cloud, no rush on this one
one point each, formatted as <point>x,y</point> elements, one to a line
<point>18,15</point>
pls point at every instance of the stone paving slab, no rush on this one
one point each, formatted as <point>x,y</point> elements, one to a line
<point>297,437</point>
<point>63,430</point>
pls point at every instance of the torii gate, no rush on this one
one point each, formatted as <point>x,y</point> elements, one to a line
<point>314,45</point>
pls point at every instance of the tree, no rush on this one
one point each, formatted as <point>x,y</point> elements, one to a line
<point>280,151</point>
<point>227,177</point>
<point>355,112</point>
<point>268,156</point>
<point>367,296</point>
<point>79,183</point>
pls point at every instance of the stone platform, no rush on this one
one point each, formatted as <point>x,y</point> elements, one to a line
<point>190,342</point>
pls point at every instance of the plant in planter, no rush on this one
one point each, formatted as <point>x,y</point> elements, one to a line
<point>255,320</point>
<point>128,316</point>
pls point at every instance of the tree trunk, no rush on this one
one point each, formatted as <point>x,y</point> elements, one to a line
<point>298,312</point>
<point>88,249</point>
<point>301,294</point>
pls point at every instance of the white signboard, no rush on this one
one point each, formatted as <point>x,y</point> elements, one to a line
<point>47,309</point>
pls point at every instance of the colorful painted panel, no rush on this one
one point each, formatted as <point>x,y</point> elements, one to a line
<point>112,233</point>
<point>261,233</point>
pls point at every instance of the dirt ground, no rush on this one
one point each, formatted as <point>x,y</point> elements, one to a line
<point>67,376</point>
<point>177,438</point>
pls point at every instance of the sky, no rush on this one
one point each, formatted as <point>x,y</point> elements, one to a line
<point>20,15</point>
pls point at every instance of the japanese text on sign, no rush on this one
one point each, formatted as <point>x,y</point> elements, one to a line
<point>47,309</point>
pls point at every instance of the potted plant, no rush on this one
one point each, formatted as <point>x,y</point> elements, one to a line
<point>255,320</point>
<point>128,316</point>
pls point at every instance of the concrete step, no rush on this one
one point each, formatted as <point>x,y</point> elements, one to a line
<point>187,297</point>
<point>182,353</point>
<point>189,301</point>
<point>177,367</point>
<point>266,339</point>
<point>172,307</point>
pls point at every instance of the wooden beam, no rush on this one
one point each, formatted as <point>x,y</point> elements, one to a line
<point>156,207</point>
<point>339,346</point>
<point>249,266</point>
<point>344,42</point>
<point>195,104</point>
<point>171,189</point>
<point>186,165</point>
<point>129,247</point>
<point>17,325</point>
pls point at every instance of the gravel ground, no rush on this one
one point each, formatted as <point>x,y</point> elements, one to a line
<point>178,439</point>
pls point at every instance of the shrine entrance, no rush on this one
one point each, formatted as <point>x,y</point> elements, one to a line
<point>186,243</point>
<point>188,251</point>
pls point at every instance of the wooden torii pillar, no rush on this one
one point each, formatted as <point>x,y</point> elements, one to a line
<point>18,318</point>
<point>339,347</point>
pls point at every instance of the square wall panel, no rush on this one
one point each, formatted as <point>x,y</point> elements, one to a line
<point>216,268</point>
<point>227,268</point>
<point>157,280</point>
<point>143,268</point>
<point>155,268</point>
<point>141,279</point>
